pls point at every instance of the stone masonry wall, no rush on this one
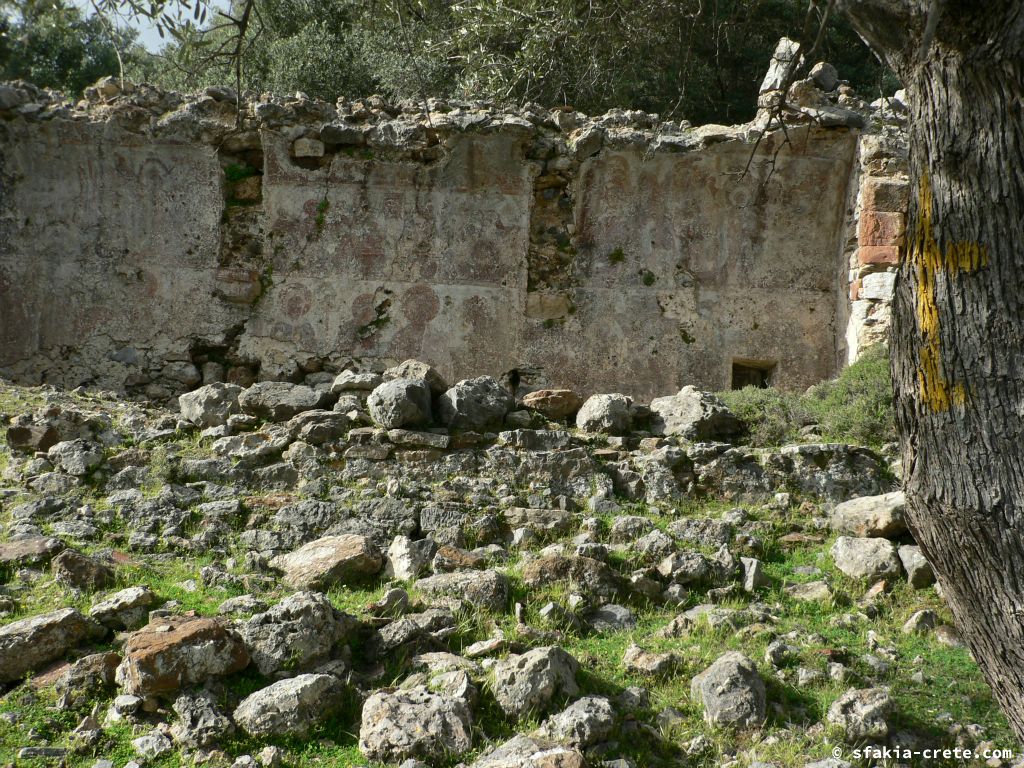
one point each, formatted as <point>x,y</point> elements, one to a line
<point>150,242</point>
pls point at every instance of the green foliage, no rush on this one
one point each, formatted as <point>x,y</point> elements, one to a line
<point>52,44</point>
<point>690,59</point>
<point>772,416</point>
<point>617,256</point>
<point>856,407</point>
<point>236,172</point>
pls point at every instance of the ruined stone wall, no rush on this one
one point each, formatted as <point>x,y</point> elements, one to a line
<point>149,242</point>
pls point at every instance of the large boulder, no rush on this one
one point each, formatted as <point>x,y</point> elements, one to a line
<point>28,644</point>
<point>210,406</point>
<point>475,404</point>
<point>414,723</point>
<point>866,558</point>
<point>172,653</point>
<point>330,560</point>
<point>487,589</point>
<point>279,400</point>
<point>531,682</point>
<point>863,714</point>
<point>871,516</point>
<point>611,414</point>
<point>298,633</point>
<point>554,404</point>
<point>415,369</point>
<point>400,403</point>
<point>289,707</point>
<point>731,691</point>
<point>693,415</point>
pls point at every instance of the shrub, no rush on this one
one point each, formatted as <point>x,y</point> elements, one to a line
<point>771,416</point>
<point>856,407</point>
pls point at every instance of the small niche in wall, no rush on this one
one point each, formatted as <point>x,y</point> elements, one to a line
<point>752,373</point>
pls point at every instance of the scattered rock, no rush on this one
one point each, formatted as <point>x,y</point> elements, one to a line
<point>210,405</point>
<point>554,404</point>
<point>330,560</point>
<point>126,609</point>
<point>863,714</point>
<point>584,722</point>
<point>28,644</point>
<point>530,682</point>
<point>731,691</point>
<point>298,633</point>
<point>486,589</point>
<point>73,569</point>
<point>861,558</point>
<point>289,707</point>
<point>278,400</point>
<point>475,404</point>
<point>173,653</point>
<point>693,415</point>
<point>414,723</point>
<point>400,403</point>
<point>611,414</point>
<point>919,570</point>
<point>871,516</point>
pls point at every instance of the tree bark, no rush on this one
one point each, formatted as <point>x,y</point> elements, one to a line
<point>958,313</point>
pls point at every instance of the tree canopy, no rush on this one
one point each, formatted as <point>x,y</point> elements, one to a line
<point>701,60</point>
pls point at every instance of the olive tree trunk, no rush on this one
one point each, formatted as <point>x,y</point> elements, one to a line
<point>958,314</point>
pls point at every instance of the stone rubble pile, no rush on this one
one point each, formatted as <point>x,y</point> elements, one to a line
<point>458,504</point>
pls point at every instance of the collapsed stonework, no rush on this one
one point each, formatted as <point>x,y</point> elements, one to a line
<point>153,242</point>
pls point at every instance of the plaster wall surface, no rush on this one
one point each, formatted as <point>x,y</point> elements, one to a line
<point>121,262</point>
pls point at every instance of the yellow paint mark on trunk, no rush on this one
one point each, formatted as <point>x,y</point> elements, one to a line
<point>936,392</point>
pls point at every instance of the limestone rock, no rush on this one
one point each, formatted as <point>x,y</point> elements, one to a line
<point>400,403</point>
<point>125,609</point>
<point>296,634</point>
<point>693,415</point>
<point>28,644</point>
<point>201,723</point>
<point>919,570</point>
<point>487,589</point>
<point>585,574</point>
<point>475,405</point>
<point>172,653</point>
<point>611,414</point>
<point>863,714</point>
<point>871,516</point>
<point>76,457</point>
<point>289,707</point>
<point>352,381</point>
<point>278,400</point>
<point>408,559</point>
<point>330,560</point>
<point>210,405</point>
<point>584,722</point>
<point>870,559</point>
<point>554,404</point>
<point>731,691</point>
<point>415,369</point>
<point>414,723</point>
<point>530,682</point>
<point>31,550</point>
<point>525,752</point>
<point>636,659</point>
<point>73,569</point>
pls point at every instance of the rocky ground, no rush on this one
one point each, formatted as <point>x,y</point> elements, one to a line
<point>375,569</point>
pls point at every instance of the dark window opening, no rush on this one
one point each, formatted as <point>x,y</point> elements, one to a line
<point>752,373</point>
